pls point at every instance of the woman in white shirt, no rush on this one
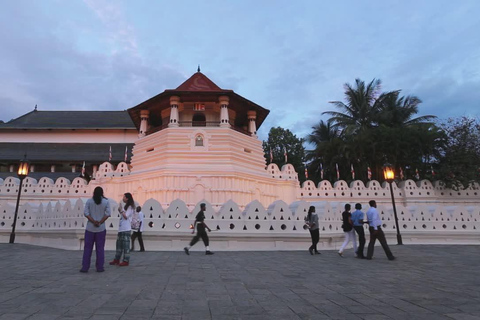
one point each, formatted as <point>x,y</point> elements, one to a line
<point>124,228</point>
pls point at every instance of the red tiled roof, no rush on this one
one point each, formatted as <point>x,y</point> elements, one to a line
<point>198,82</point>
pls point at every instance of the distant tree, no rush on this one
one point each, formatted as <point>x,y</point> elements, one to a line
<point>357,119</point>
<point>328,146</point>
<point>376,128</point>
<point>360,109</point>
<point>459,163</point>
<point>279,140</point>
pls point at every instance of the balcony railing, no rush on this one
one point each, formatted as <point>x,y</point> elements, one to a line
<point>198,124</point>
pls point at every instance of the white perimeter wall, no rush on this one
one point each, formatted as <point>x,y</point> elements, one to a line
<point>441,216</point>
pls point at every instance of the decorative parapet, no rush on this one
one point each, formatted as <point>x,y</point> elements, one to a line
<point>406,192</point>
<point>279,218</point>
<point>107,170</point>
<point>287,173</point>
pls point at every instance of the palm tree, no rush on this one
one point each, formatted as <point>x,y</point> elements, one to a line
<point>378,127</point>
<point>361,107</point>
<point>328,149</point>
<point>397,112</point>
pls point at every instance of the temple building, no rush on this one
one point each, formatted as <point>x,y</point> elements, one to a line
<point>195,142</point>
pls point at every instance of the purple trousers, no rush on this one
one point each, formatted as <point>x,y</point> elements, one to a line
<point>91,238</point>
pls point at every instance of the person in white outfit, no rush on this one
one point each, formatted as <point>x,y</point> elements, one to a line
<point>137,229</point>
<point>124,231</point>
<point>348,230</point>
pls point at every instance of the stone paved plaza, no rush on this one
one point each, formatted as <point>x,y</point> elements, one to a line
<point>425,282</point>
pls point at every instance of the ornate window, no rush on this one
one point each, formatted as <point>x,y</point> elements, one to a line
<point>199,141</point>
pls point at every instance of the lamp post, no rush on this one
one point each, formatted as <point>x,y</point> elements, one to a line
<point>389,175</point>
<point>22,173</point>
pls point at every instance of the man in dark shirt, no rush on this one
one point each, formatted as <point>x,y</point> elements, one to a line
<point>201,232</point>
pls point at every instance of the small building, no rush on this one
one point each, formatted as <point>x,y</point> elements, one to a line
<point>59,143</point>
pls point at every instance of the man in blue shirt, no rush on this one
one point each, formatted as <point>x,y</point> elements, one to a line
<point>376,232</point>
<point>357,219</point>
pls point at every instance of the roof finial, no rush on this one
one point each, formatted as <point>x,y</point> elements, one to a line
<point>35,108</point>
<point>198,69</point>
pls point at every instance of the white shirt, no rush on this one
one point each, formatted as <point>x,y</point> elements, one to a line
<point>140,217</point>
<point>126,224</point>
<point>373,218</point>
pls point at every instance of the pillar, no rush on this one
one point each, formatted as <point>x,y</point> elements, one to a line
<point>174,101</point>
<point>74,167</point>
<point>252,126</point>
<point>224,119</point>
<point>32,168</point>
<point>11,168</point>
<point>144,115</point>
<point>52,168</point>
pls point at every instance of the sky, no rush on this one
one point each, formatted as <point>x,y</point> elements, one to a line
<point>291,57</point>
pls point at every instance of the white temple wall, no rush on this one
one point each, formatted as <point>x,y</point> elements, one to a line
<point>251,212</point>
<point>223,150</point>
<point>280,226</point>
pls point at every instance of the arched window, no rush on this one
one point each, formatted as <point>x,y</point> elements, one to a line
<point>199,141</point>
<point>199,120</point>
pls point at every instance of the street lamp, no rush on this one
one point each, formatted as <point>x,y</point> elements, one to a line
<point>22,173</point>
<point>389,175</point>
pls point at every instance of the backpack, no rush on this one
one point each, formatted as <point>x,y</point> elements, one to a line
<point>136,220</point>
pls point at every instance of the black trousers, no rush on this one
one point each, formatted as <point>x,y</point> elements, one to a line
<point>315,234</point>
<point>361,239</point>
<point>201,233</point>
<point>381,237</point>
<point>135,235</point>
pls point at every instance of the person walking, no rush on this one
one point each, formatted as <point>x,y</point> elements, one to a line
<point>348,231</point>
<point>97,211</point>
<point>124,228</point>
<point>311,220</point>
<point>137,228</point>
<point>357,220</point>
<point>201,232</point>
<point>376,232</point>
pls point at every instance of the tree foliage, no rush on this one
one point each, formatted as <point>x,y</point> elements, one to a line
<point>278,141</point>
<point>459,161</point>
<point>370,129</point>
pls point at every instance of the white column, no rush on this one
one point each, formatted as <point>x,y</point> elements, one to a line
<point>224,119</point>
<point>11,168</point>
<point>252,126</point>
<point>32,168</point>
<point>74,167</point>
<point>174,101</point>
<point>144,115</point>
<point>52,168</point>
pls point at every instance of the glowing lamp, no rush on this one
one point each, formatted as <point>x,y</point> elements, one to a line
<point>388,173</point>
<point>22,173</point>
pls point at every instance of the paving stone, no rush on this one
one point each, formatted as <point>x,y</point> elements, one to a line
<point>425,282</point>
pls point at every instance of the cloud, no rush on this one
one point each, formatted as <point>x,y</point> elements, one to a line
<point>289,57</point>
<point>42,66</point>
